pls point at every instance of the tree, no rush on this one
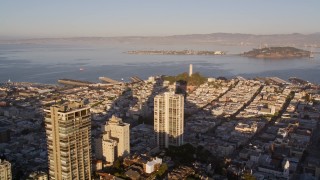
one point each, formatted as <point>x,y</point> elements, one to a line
<point>117,164</point>
<point>163,168</point>
<point>248,176</point>
<point>196,79</point>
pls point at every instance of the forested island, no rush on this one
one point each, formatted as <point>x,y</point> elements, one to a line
<point>277,53</point>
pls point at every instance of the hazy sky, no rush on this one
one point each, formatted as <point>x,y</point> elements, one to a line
<point>63,18</point>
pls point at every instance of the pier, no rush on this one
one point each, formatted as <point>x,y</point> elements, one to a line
<point>73,82</point>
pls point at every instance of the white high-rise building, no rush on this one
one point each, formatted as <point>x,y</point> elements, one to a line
<point>115,139</point>
<point>68,129</point>
<point>169,119</point>
<point>5,170</point>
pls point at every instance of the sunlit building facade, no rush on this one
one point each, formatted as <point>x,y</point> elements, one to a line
<point>115,139</point>
<point>169,119</point>
<point>5,170</point>
<point>68,130</point>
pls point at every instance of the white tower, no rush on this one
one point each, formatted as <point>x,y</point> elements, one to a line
<point>190,70</point>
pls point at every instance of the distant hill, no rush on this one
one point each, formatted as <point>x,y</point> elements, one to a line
<point>294,39</point>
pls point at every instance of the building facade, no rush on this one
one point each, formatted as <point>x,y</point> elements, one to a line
<point>5,170</point>
<point>109,148</point>
<point>169,119</point>
<point>38,175</point>
<point>68,130</point>
<point>115,139</point>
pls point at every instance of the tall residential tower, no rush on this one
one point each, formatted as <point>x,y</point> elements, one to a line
<point>169,119</point>
<point>68,129</point>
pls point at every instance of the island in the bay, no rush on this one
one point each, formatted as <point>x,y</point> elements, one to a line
<point>277,53</point>
<point>171,52</point>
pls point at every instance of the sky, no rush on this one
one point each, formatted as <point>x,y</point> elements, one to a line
<point>103,18</point>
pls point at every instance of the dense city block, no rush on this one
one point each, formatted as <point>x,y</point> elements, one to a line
<point>161,128</point>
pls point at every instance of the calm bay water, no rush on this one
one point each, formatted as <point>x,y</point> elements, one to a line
<point>46,63</point>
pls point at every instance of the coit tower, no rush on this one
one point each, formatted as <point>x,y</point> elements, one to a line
<point>190,70</point>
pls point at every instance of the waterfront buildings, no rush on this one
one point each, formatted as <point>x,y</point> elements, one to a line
<point>68,129</point>
<point>169,119</point>
<point>5,170</point>
<point>115,139</point>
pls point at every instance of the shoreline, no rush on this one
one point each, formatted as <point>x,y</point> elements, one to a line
<point>173,52</point>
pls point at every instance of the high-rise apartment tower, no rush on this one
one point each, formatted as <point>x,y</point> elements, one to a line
<point>68,129</point>
<point>169,119</point>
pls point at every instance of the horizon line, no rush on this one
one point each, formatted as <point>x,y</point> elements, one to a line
<point>22,37</point>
